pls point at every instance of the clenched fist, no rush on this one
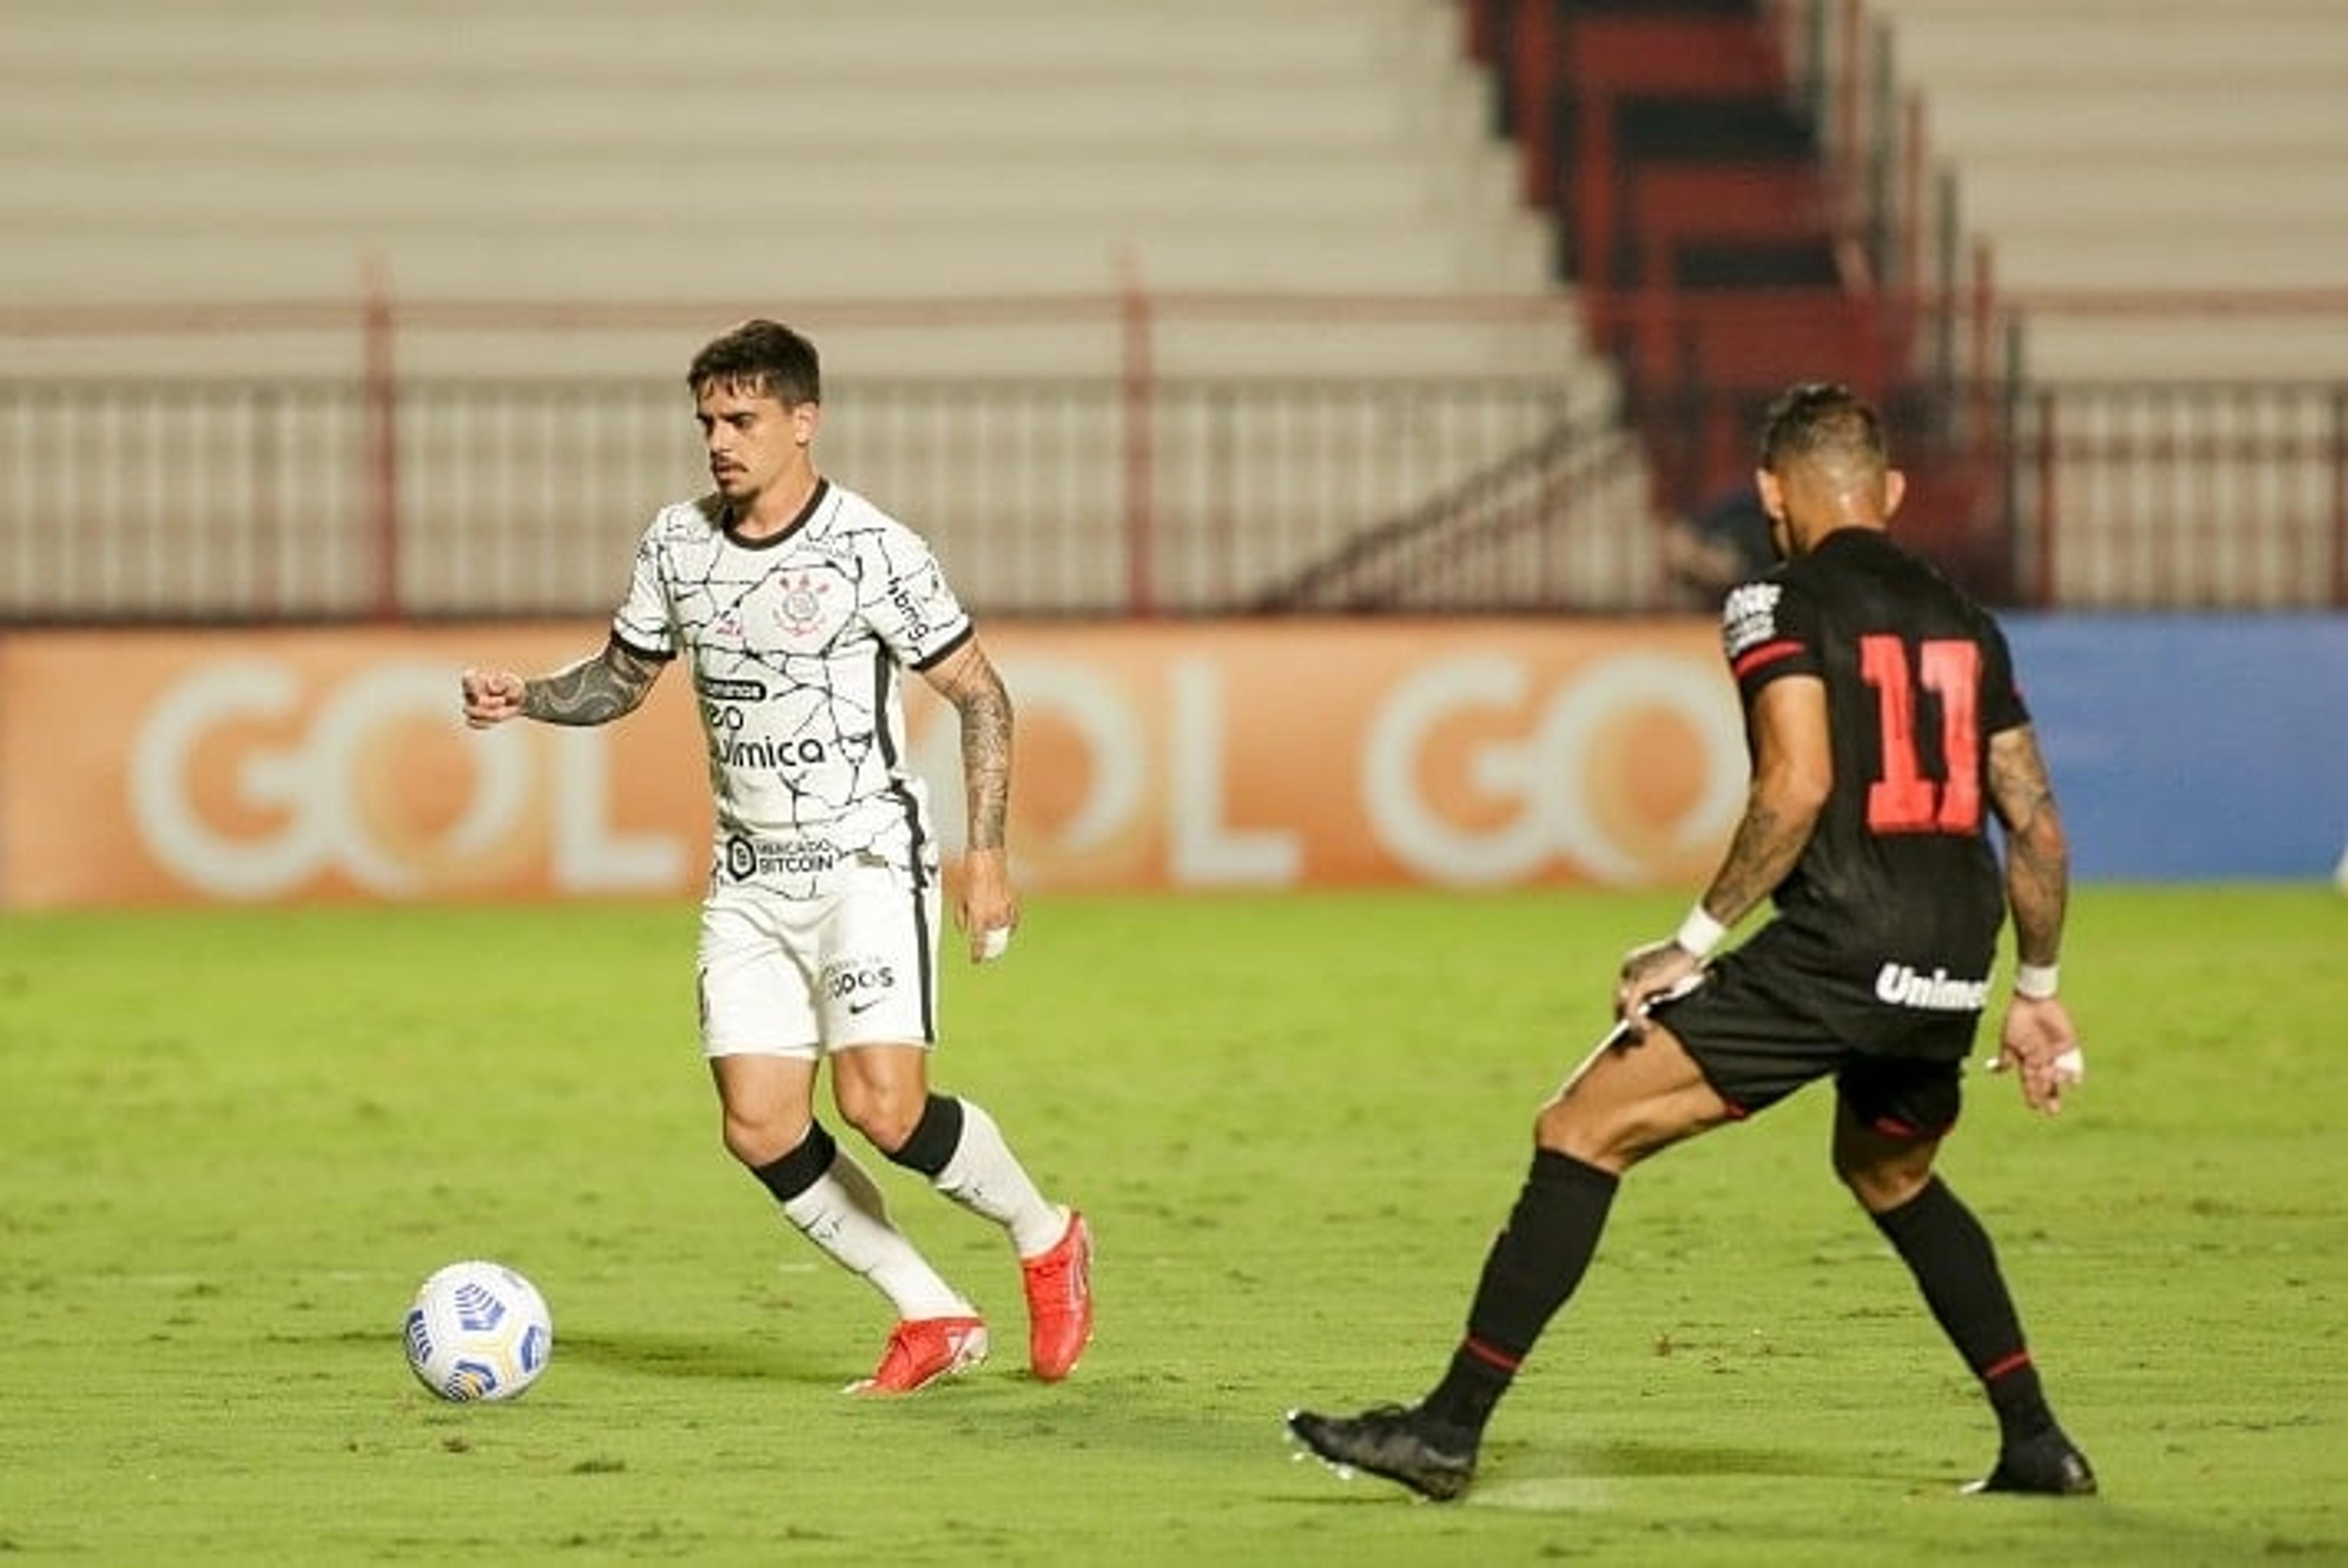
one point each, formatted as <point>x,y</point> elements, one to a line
<point>492,697</point>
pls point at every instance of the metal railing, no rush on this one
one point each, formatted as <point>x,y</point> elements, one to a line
<point>373,494</point>
<point>2179,496</point>
<point>256,501</point>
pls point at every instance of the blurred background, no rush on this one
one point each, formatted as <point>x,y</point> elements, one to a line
<point>1300,390</point>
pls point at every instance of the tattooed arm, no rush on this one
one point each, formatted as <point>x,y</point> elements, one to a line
<point>596,690</point>
<point>967,679</point>
<point>2037,853</point>
<point>2037,1041</point>
<point>1793,771</point>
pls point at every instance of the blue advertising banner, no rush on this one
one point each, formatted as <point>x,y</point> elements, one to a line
<point>2193,747</point>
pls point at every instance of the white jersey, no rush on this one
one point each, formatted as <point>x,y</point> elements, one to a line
<point>797,645</point>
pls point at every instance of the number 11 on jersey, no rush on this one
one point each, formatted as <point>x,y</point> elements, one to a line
<point>1901,799</point>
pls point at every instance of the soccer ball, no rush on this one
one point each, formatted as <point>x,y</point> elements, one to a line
<point>479,1331</point>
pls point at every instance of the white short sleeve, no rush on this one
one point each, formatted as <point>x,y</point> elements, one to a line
<point>645,621</point>
<point>908,602</point>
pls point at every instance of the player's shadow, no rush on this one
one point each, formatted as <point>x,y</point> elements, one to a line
<point>730,1357</point>
<point>1623,1461</point>
<point>1542,1479</point>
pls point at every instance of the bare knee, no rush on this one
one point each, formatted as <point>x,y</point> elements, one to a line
<point>1882,1170</point>
<point>1881,1189</point>
<point>1882,1181</point>
<point>1622,1108</point>
<point>886,1113</point>
<point>764,1105</point>
<point>759,1135</point>
<point>1608,1142</point>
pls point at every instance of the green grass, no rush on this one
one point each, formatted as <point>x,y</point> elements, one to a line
<point>232,1142</point>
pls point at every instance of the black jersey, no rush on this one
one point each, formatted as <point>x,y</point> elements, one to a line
<point>1899,885</point>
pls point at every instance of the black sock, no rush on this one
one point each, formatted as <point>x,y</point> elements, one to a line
<point>800,1169</point>
<point>1533,1266</point>
<point>1954,1264</point>
<point>935,1138</point>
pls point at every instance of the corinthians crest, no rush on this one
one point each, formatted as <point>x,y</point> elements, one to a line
<point>801,610</point>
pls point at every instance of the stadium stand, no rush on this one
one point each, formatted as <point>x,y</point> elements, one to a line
<point>2179,147</point>
<point>2191,452</point>
<point>1710,239</point>
<point>1315,205</point>
<point>2087,256</point>
<point>922,149</point>
<point>848,166</point>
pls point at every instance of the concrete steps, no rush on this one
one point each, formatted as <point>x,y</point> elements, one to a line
<point>2162,146</point>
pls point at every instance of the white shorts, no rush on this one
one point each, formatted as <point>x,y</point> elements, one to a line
<point>855,965</point>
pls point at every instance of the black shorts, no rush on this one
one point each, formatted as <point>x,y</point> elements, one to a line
<point>1779,1012</point>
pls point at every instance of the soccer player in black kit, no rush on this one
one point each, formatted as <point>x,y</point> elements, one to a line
<point>1884,727</point>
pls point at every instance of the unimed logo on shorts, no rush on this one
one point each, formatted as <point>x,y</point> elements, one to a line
<point>1903,986</point>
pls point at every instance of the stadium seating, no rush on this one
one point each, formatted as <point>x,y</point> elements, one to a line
<point>862,166</point>
<point>607,150</point>
<point>865,169</point>
<point>2172,146</point>
<point>2141,176</point>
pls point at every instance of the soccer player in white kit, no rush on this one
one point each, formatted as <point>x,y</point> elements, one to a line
<point>798,605</point>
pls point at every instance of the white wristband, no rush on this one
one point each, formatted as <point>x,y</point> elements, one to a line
<point>2035,982</point>
<point>1699,933</point>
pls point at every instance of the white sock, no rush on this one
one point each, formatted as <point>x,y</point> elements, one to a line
<point>844,1213</point>
<point>984,1177</point>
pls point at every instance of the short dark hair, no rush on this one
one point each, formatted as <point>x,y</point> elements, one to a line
<point>1821,419</point>
<point>763,356</point>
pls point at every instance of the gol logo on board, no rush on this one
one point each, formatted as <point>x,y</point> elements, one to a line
<point>247,785</point>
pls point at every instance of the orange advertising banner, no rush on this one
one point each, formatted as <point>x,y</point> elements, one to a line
<point>177,767</point>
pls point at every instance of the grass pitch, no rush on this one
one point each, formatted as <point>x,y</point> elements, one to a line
<point>232,1142</point>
